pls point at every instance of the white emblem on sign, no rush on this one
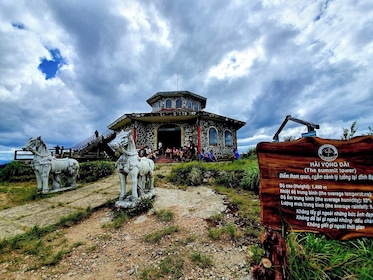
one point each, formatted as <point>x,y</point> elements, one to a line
<point>328,152</point>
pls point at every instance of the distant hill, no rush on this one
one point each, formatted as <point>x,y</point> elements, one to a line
<point>3,163</point>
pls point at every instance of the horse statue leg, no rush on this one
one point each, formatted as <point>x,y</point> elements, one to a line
<point>56,181</point>
<point>122,180</point>
<point>151,183</point>
<point>151,177</point>
<point>36,166</point>
<point>39,179</point>
<point>141,179</point>
<point>133,177</point>
<point>72,172</point>
<point>45,169</point>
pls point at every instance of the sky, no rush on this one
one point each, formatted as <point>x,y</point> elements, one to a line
<point>68,68</point>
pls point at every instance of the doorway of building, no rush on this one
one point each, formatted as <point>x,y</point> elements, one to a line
<point>170,136</point>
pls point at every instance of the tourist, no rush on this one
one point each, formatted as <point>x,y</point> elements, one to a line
<point>212,157</point>
<point>203,156</point>
<point>168,152</point>
<point>235,155</point>
<point>152,155</point>
<point>192,151</point>
<point>57,153</point>
<point>175,152</point>
<point>148,151</point>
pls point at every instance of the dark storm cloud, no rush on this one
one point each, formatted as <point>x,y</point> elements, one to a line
<point>256,61</point>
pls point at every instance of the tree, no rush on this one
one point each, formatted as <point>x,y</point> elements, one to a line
<point>349,133</point>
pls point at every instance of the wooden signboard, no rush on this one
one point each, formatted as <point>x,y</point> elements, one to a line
<point>318,185</point>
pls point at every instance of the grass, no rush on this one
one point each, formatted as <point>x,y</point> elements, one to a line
<point>201,260</point>
<point>314,256</point>
<point>76,217</point>
<point>229,231</point>
<point>158,235</point>
<point>44,246</point>
<point>164,215</point>
<point>169,268</point>
<point>118,221</point>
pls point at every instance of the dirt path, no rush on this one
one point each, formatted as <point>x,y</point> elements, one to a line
<point>107,253</point>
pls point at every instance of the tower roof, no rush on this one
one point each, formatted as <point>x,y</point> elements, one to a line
<point>185,93</point>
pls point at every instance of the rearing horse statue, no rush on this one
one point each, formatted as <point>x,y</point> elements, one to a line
<point>139,169</point>
<point>43,163</point>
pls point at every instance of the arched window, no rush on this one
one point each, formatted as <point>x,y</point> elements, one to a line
<point>190,104</point>
<point>159,105</point>
<point>168,103</point>
<point>213,137</point>
<point>228,138</point>
<point>179,103</point>
<point>196,106</point>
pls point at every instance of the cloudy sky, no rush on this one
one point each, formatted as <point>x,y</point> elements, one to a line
<point>70,67</point>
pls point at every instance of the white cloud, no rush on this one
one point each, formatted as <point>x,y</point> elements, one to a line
<point>256,61</point>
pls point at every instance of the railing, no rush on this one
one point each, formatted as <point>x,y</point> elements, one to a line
<point>90,142</point>
<point>22,155</point>
<point>85,143</point>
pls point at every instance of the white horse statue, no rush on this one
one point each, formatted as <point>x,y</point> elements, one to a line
<point>43,164</point>
<point>139,169</point>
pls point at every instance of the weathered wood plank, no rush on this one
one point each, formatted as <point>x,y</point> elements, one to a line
<point>320,185</point>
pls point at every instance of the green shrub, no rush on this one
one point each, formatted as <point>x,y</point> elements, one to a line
<point>17,171</point>
<point>144,205</point>
<point>251,179</point>
<point>95,170</point>
<point>238,174</point>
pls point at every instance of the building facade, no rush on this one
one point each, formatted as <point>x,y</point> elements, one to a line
<point>177,119</point>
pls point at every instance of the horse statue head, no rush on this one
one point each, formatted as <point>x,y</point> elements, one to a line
<point>37,146</point>
<point>127,144</point>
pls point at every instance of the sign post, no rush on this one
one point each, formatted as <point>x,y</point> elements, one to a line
<point>318,185</point>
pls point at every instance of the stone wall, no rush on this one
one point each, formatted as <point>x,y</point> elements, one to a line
<point>146,134</point>
<point>220,150</point>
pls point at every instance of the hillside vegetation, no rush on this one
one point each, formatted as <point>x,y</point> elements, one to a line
<point>311,256</point>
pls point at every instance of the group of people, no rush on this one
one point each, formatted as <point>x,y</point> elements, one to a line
<point>148,153</point>
<point>188,152</point>
<point>210,156</point>
<point>207,157</point>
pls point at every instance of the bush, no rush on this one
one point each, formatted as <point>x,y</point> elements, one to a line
<point>17,171</point>
<point>143,206</point>
<point>95,170</point>
<point>251,179</point>
<point>239,174</point>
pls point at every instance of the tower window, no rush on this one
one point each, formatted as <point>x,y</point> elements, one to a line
<point>228,138</point>
<point>213,136</point>
<point>179,103</point>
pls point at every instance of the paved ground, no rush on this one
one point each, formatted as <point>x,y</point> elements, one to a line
<point>49,211</point>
